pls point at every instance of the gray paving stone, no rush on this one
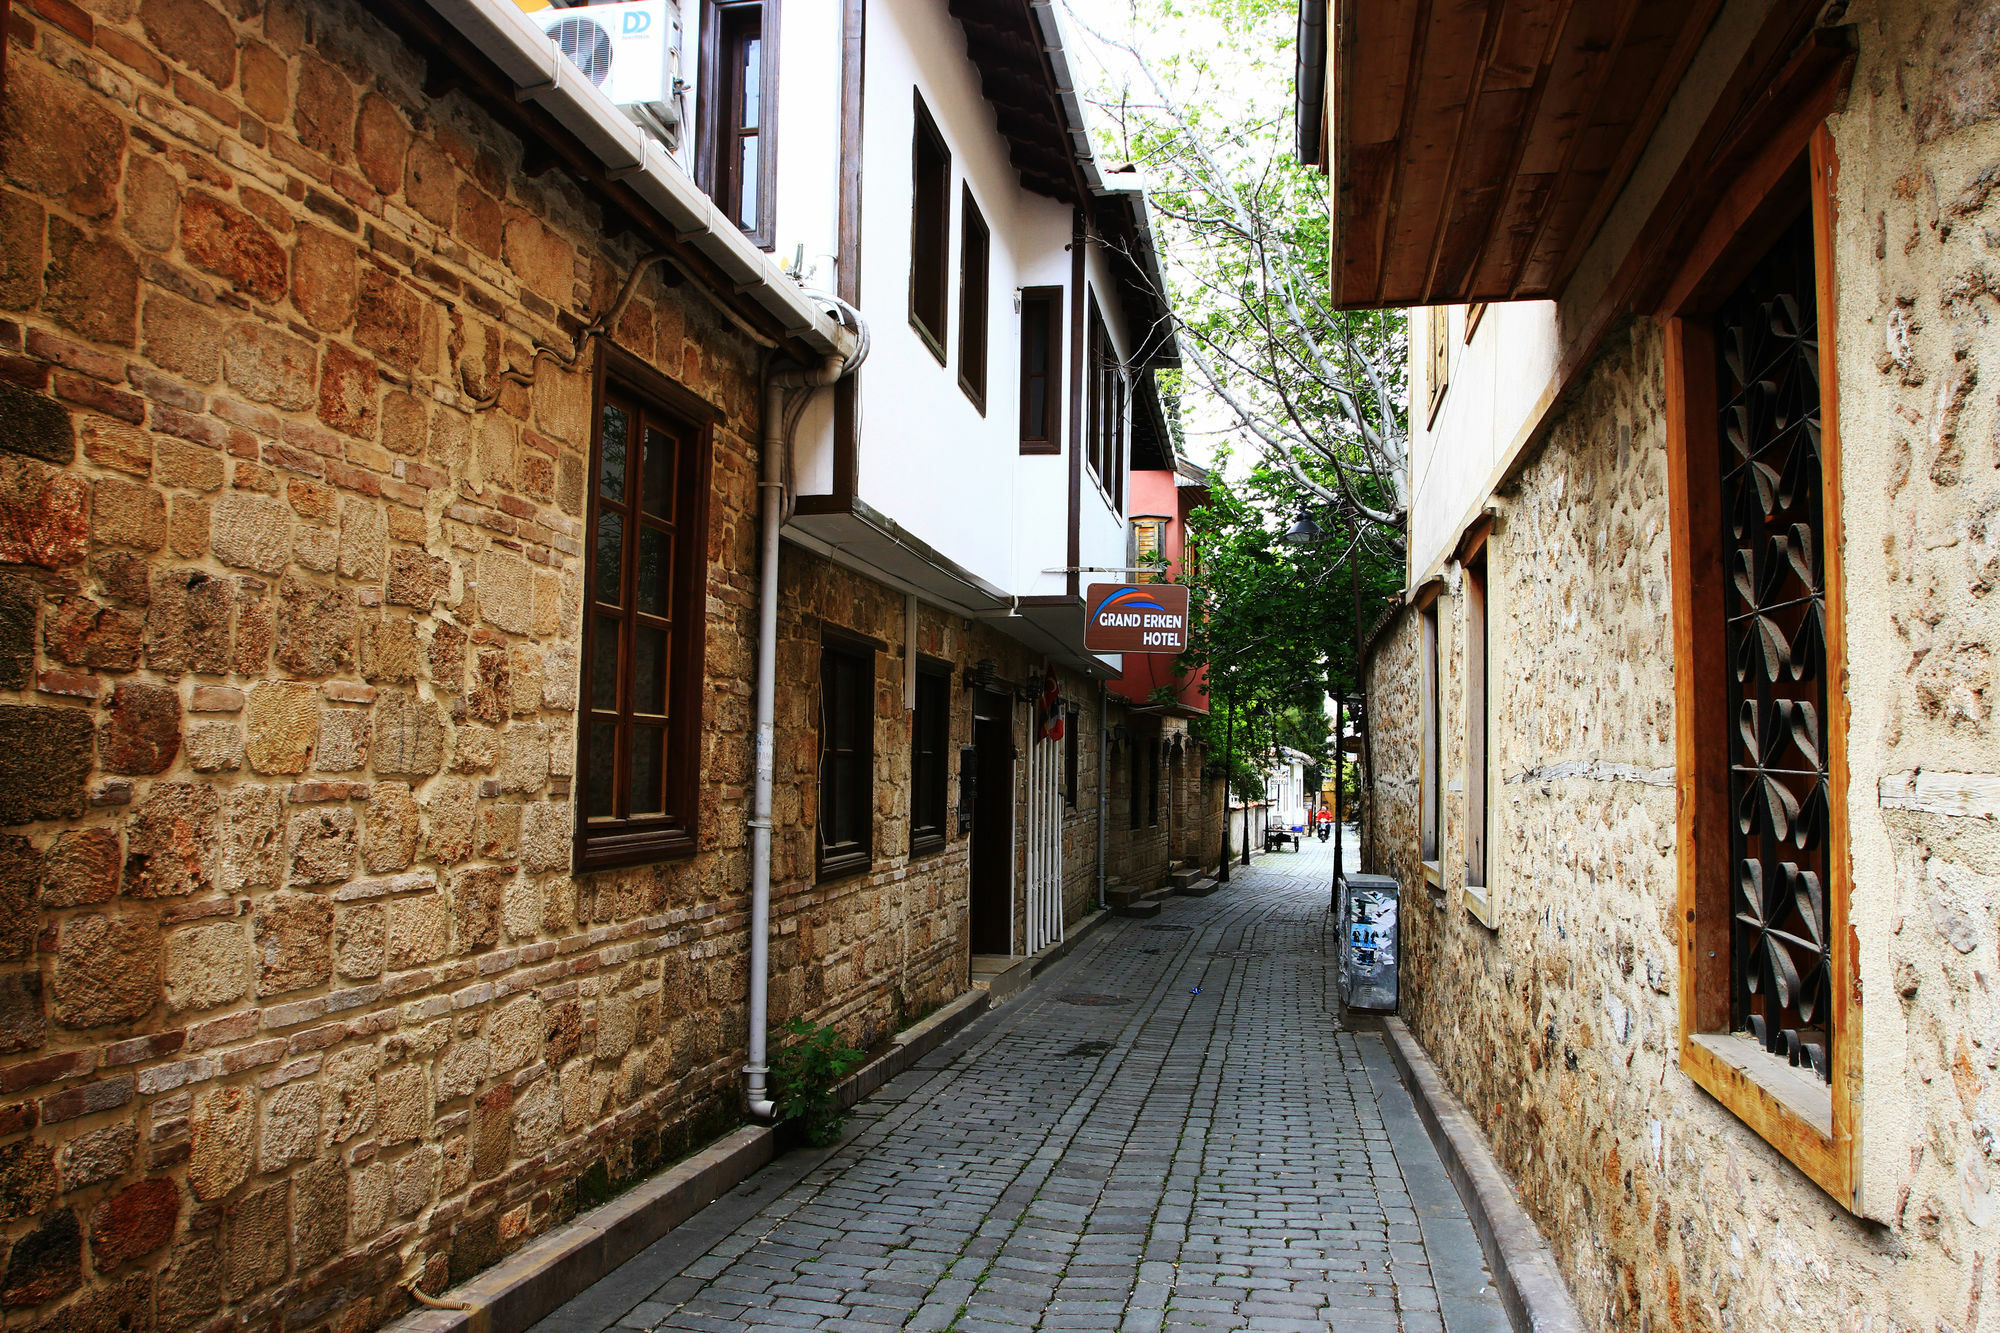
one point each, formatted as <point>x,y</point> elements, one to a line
<point>1237,1159</point>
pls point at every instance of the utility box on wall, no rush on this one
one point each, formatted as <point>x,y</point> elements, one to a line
<point>1368,942</point>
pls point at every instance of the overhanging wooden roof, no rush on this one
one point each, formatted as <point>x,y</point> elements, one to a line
<point>1476,147</point>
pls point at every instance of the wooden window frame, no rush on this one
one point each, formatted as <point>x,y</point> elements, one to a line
<point>1826,1147</point>
<point>859,857</point>
<point>1105,410</point>
<point>937,272</point>
<point>975,274</point>
<point>1049,300</point>
<point>598,844</point>
<point>1477,891</point>
<point>1140,572</point>
<point>1437,333</point>
<point>934,689</point>
<point>713,168</point>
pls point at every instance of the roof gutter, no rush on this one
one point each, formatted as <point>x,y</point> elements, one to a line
<point>1311,81</point>
<point>543,75</point>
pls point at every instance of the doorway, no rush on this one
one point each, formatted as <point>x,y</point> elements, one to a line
<point>992,852</point>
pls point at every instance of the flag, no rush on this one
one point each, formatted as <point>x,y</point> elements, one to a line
<point>1051,708</point>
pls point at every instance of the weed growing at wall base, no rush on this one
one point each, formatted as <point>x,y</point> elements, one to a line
<point>805,1073</point>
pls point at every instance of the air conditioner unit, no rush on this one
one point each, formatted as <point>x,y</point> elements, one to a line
<point>631,51</point>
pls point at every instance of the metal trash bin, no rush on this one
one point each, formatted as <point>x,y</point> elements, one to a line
<point>1369,942</point>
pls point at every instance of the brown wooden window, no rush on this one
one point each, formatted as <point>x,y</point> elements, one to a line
<point>1429,807</point>
<point>1437,332</point>
<point>1769,1003</point>
<point>1105,409</point>
<point>1478,720</point>
<point>930,741</point>
<point>638,743</point>
<point>737,157</point>
<point>1147,552</point>
<point>975,247</point>
<point>1072,745</point>
<point>846,757</point>
<point>1041,369</point>
<point>930,231</point>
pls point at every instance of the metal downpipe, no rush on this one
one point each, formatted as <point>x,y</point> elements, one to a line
<point>770,497</point>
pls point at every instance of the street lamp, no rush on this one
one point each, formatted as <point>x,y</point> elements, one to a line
<point>1305,532</point>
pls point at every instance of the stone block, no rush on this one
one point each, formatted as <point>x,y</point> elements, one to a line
<point>323,279</point>
<point>251,531</point>
<point>324,108</point>
<point>125,1307</point>
<point>449,806</point>
<point>404,1105</point>
<point>270,366</point>
<point>21,227</point>
<point>524,757</point>
<point>126,513</point>
<point>413,1182</point>
<point>107,970</point>
<point>321,844</point>
<point>187,623</point>
<point>364,533</point>
<point>207,966</point>
<point>22,1025</point>
<point>316,628</point>
<point>64,142</point>
<point>497,833</point>
<point>215,747</point>
<point>142,730</point>
<point>344,734</point>
<point>193,34</point>
<point>506,591</point>
<point>170,841</point>
<point>223,1129</point>
<point>20,607</point>
<point>547,830</point>
<point>254,630</point>
<point>256,1241</point>
<point>106,441</point>
<point>476,896</point>
<point>393,826</point>
<point>492,690</point>
<point>524,910</point>
<point>192,467</point>
<point>283,719</point>
<point>389,650</point>
<point>419,930</point>
<point>249,848</point>
<point>559,672</point>
<point>417,578</point>
<point>492,1130</point>
<point>348,390</point>
<point>91,285</point>
<point>288,1128</point>
<point>27,1179</point>
<point>134,1222</point>
<point>101,1155</point>
<point>294,942</point>
<point>190,1286</point>
<point>409,735</point>
<point>319,1212</point>
<point>182,338</point>
<point>538,1117</point>
<point>360,937</point>
<point>543,260</point>
<point>350,1090</point>
<point>81,868</point>
<point>231,244</point>
<point>47,1263</point>
<point>152,201</point>
<point>44,515</point>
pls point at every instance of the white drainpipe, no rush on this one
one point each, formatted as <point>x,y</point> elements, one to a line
<point>770,497</point>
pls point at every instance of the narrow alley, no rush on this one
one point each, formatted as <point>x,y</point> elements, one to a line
<point>1169,1130</point>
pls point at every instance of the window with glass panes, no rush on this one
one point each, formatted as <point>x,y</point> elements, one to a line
<point>846,757</point>
<point>738,85</point>
<point>930,749</point>
<point>635,755</point>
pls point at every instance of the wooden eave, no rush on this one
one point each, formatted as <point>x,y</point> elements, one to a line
<point>1003,42</point>
<point>1475,148</point>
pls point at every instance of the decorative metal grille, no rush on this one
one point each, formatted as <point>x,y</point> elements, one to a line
<point>1767,350</point>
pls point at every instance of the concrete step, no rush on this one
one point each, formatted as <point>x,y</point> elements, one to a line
<point>1200,888</point>
<point>1122,895</point>
<point>1180,879</point>
<point>1142,908</point>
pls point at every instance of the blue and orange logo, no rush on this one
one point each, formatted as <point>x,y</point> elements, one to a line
<point>1127,599</point>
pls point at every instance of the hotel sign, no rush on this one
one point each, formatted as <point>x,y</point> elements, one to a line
<point>1136,618</point>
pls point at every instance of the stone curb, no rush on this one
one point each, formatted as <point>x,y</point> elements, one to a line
<point>1524,1268</point>
<point>1006,983</point>
<point>516,1293</point>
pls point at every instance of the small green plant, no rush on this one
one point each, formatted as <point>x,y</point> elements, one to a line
<point>804,1074</point>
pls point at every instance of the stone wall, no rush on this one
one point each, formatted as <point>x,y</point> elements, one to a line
<point>1560,1027</point>
<point>300,999</point>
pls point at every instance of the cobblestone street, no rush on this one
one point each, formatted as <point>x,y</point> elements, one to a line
<point>1167,1130</point>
